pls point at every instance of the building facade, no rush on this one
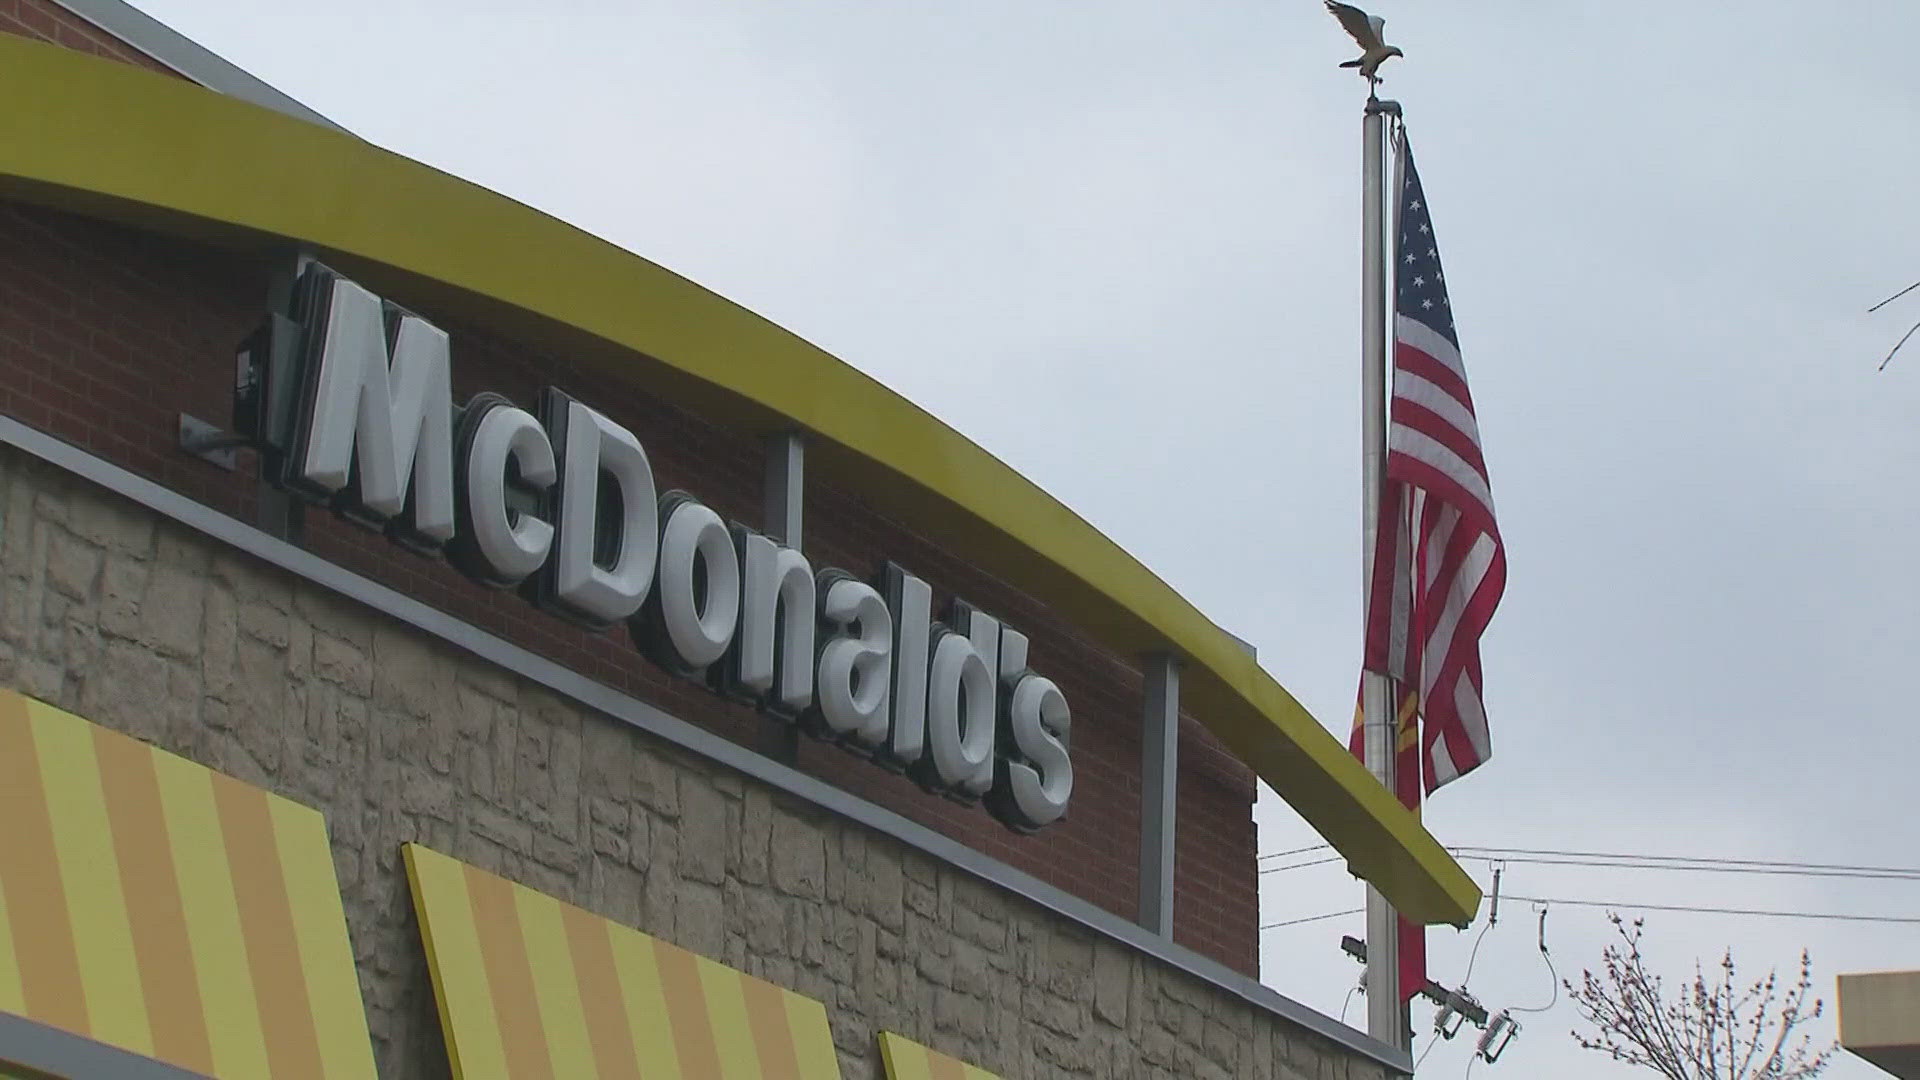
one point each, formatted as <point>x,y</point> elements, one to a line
<point>636,657</point>
<point>1880,1019</point>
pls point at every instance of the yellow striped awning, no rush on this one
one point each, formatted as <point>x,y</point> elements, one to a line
<point>908,1060</point>
<point>529,987</point>
<point>156,906</point>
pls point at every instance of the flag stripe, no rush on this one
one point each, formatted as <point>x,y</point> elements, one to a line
<point>1466,700</point>
<point>1413,472</point>
<point>1413,416</point>
<point>1446,416</point>
<point>1407,358</point>
<point>1411,333</point>
<point>1459,581</point>
<point>1432,453</point>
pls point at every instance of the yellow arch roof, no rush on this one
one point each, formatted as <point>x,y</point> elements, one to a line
<point>117,142</point>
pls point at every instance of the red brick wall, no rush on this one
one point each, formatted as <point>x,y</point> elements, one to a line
<point>45,20</point>
<point>106,335</point>
<point>1216,902</point>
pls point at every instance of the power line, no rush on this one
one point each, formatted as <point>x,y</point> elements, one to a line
<point>1895,296</point>
<point>1315,918</point>
<point>1842,917</point>
<point>1911,330</point>
<point>1296,851</point>
<point>1302,865</point>
<point>1619,860</point>
<point>1684,859</point>
<point>1770,871</point>
<point>1629,906</point>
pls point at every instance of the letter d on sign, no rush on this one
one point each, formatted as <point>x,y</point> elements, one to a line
<point>608,525</point>
<point>961,703</point>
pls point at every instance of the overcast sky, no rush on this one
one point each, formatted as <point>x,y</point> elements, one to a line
<point>1117,245</point>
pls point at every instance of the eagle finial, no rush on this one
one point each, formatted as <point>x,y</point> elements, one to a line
<point>1366,30</point>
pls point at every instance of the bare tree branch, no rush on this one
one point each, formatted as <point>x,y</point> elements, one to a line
<point>1707,1031</point>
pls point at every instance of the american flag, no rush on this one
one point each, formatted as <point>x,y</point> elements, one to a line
<point>1438,564</point>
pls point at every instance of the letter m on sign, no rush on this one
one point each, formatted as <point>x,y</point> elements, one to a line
<point>378,410</point>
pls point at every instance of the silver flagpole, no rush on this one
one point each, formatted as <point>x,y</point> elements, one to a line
<point>1386,1018</point>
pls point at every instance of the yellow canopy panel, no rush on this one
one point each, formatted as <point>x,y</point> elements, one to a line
<point>529,987</point>
<point>908,1060</point>
<point>161,908</point>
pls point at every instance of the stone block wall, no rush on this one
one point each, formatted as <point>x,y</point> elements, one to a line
<point>135,622</point>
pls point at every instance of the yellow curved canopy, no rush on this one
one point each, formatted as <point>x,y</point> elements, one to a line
<point>120,143</point>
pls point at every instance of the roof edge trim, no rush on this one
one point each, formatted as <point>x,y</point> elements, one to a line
<point>188,57</point>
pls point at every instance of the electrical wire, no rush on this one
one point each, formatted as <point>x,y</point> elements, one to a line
<point>1838,916</point>
<point>1475,954</point>
<point>1869,875</point>
<point>1301,865</point>
<point>1553,976</point>
<point>1895,296</point>
<point>1296,851</point>
<point>1896,346</point>
<point>1564,857</point>
<point>1703,860</point>
<point>1314,918</point>
<point>1347,1004</point>
<point>1618,860</point>
<point>1431,1043</point>
<point>1492,914</point>
<point>1629,906</point>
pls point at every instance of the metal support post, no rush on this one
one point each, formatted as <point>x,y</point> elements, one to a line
<point>785,490</point>
<point>275,512</point>
<point>786,486</point>
<point>1159,773</point>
